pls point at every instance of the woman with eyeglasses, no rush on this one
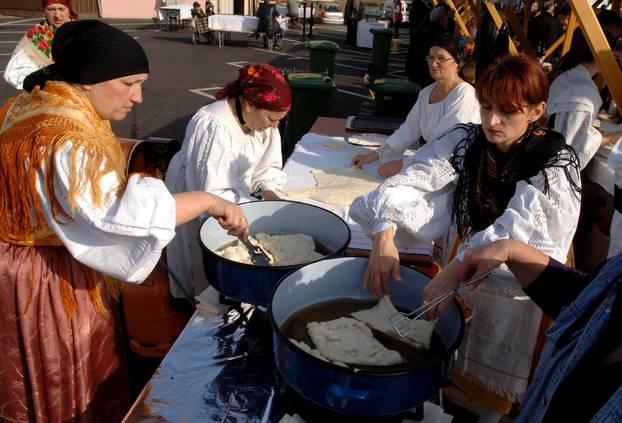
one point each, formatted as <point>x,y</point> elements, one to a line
<point>505,178</point>
<point>446,102</point>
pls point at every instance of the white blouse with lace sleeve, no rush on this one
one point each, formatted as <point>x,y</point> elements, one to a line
<point>19,67</point>
<point>419,202</point>
<point>427,120</point>
<point>124,238</point>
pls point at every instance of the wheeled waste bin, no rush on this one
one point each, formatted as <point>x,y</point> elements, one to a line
<point>322,56</point>
<point>394,97</point>
<point>381,48</point>
<point>311,95</point>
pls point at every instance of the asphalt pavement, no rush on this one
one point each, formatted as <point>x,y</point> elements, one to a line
<point>184,76</point>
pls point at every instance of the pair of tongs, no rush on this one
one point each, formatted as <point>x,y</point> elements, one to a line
<point>404,323</point>
<point>258,257</point>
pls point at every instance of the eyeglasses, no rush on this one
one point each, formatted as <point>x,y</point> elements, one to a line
<point>438,59</point>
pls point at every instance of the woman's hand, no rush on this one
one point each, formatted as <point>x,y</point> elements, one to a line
<point>230,216</point>
<point>446,280</point>
<point>383,263</point>
<point>362,159</point>
<point>478,260</point>
<point>389,169</point>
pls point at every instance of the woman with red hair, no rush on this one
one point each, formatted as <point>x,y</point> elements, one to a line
<point>34,50</point>
<point>505,178</point>
<point>232,149</point>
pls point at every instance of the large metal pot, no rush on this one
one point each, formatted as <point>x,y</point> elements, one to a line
<point>253,284</point>
<point>361,392</point>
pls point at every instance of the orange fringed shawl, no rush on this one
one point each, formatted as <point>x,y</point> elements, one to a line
<point>35,126</point>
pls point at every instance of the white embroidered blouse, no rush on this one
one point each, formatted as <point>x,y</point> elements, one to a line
<point>418,203</point>
<point>427,120</point>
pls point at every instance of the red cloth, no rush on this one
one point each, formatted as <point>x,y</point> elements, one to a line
<point>262,85</point>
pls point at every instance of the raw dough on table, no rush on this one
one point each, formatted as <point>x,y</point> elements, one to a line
<point>349,341</point>
<point>338,186</point>
<point>378,316</point>
<point>334,145</point>
<point>368,139</point>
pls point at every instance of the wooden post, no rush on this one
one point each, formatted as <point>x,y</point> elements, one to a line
<point>461,25</point>
<point>518,30</point>
<point>600,47</point>
<point>572,25</point>
<point>499,23</point>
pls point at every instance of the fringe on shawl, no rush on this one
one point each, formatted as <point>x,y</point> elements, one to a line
<point>28,147</point>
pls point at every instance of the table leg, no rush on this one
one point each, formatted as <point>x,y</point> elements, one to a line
<point>304,20</point>
<point>311,20</point>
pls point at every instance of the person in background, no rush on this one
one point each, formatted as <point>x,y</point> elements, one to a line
<point>209,8</point>
<point>353,13</point>
<point>268,23</point>
<point>71,221</point>
<point>439,106</point>
<point>232,149</point>
<point>436,24</point>
<point>506,179</point>
<point>544,29</point>
<point>574,101</point>
<point>197,11</point>
<point>579,374</point>
<point>397,16</point>
<point>34,50</point>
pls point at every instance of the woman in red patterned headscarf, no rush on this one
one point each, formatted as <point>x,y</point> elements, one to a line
<point>232,148</point>
<point>34,50</point>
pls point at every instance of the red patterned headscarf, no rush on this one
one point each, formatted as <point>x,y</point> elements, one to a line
<point>66,3</point>
<point>262,86</point>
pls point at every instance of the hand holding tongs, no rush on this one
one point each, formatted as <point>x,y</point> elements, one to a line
<point>258,257</point>
<point>404,323</point>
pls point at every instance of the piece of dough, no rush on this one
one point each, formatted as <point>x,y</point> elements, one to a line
<point>237,252</point>
<point>349,341</point>
<point>338,186</point>
<point>334,145</point>
<point>378,317</point>
<point>368,139</point>
<point>315,353</point>
<point>289,249</point>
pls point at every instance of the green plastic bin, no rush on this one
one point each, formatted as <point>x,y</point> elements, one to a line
<point>394,97</point>
<point>311,95</point>
<point>380,51</point>
<point>322,56</point>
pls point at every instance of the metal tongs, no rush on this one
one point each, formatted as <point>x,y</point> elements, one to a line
<point>404,323</point>
<point>258,257</point>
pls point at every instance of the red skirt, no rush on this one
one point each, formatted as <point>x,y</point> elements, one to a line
<point>56,368</point>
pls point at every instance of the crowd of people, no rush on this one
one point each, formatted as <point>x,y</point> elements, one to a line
<point>496,167</point>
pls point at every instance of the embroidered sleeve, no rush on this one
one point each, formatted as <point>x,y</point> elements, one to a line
<point>268,174</point>
<point>124,238</point>
<point>577,129</point>
<point>418,200</point>
<point>547,222</point>
<point>19,67</point>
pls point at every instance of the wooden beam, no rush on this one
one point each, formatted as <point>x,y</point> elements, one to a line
<point>554,46</point>
<point>465,32</point>
<point>499,23</point>
<point>527,10</point>
<point>600,47</point>
<point>518,30</point>
<point>572,25</point>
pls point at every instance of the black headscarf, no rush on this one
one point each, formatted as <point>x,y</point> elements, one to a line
<point>88,52</point>
<point>455,45</point>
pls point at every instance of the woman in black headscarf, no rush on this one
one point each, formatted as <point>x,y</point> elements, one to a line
<point>71,220</point>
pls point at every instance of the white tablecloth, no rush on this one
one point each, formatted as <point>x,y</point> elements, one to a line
<point>312,153</point>
<point>364,38</point>
<point>239,23</point>
<point>184,11</point>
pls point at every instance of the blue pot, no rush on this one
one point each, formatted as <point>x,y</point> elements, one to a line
<point>250,283</point>
<point>364,392</point>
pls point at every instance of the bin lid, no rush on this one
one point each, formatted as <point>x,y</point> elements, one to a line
<point>322,45</point>
<point>396,86</point>
<point>381,31</point>
<point>316,81</point>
